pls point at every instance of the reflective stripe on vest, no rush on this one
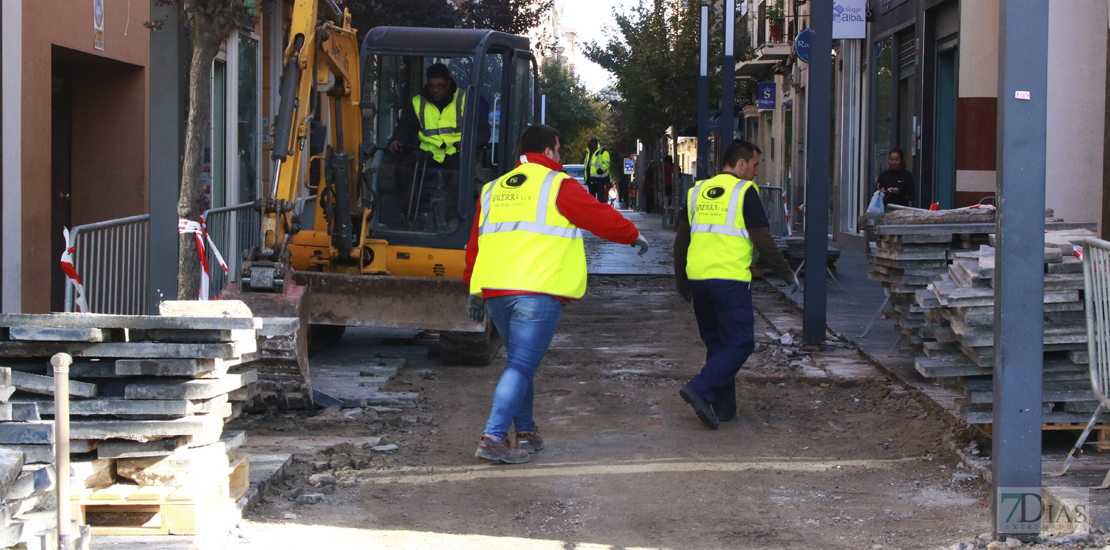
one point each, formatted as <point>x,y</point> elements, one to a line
<point>539,226</point>
<point>720,245</point>
<point>524,242</point>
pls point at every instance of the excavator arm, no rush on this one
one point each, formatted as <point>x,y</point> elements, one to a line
<point>319,87</point>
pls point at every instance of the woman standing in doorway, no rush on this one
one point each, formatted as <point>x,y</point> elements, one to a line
<point>896,182</point>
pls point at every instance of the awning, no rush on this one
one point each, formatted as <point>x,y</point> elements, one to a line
<point>750,69</point>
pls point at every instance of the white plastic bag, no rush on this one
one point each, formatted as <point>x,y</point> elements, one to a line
<point>876,206</point>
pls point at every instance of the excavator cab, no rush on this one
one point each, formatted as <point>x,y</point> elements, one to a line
<point>419,200</point>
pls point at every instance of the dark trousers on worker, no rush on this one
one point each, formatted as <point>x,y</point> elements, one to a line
<point>723,309</point>
<point>596,186</point>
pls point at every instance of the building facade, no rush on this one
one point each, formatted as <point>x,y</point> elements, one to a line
<point>925,80</point>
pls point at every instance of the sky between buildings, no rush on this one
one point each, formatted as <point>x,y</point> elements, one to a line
<point>589,18</point>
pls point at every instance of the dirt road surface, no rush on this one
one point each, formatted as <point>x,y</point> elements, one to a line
<point>814,460</point>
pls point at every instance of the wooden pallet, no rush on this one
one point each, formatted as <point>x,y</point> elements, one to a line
<point>1099,437</point>
<point>126,509</point>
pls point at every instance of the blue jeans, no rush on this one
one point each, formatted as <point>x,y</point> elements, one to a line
<point>527,324</point>
<point>723,309</point>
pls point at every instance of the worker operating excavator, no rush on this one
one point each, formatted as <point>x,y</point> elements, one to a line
<point>433,122</point>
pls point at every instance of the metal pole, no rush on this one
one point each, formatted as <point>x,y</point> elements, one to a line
<point>1018,308</point>
<point>728,76</point>
<point>818,171</point>
<point>703,99</point>
<point>61,364</point>
<point>543,109</point>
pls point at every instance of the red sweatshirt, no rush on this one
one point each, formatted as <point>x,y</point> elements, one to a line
<point>574,203</point>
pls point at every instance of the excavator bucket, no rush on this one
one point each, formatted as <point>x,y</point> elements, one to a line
<point>283,345</point>
<point>419,303</point>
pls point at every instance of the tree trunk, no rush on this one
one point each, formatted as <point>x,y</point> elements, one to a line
<point>206,43</point>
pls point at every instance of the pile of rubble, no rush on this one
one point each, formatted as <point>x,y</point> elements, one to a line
<point>29,513</point>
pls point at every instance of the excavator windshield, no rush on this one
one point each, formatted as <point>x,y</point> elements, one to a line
<point>442,125</point>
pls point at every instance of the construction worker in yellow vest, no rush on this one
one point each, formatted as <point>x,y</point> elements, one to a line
<point>597,169</point>
<point>525,259</point>
<point>723,223</point>
<point>433,122</point>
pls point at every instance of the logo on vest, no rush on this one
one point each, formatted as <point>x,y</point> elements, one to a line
<point>515,181</point>
<point>713,192</point>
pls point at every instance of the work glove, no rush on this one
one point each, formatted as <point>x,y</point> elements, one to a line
<point>687,294</point>
<point>794,285</point>
<point>642,243</point>
<point>475,308</point>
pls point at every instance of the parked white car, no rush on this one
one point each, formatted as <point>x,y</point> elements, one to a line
<point>576,171</point>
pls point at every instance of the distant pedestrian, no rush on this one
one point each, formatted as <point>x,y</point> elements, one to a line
<point>597,169</point>
<point>896,182</point>
<point>723,223</point>
<point>525,258</point>
<point>613,195</point>
<point>668,180</point>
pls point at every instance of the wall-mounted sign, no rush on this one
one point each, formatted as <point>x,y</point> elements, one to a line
<point>766,95</point>
<point>629,166</point>
<point>98,24</point>
<point>849,19</point>
<point>801,46</point>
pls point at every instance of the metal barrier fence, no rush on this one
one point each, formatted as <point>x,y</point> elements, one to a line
<point>233,229</point>
<point>111,258</point>
<point>1096,288</point>
<point>773,206</point>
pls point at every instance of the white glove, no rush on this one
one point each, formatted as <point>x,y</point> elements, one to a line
<point>642,243</point>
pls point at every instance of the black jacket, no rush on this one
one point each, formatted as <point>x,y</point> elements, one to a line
<point>903,180</point>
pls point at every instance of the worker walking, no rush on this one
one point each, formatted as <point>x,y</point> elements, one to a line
<point>525,258</point>
<point>597,169</point>
<point>723,223</point>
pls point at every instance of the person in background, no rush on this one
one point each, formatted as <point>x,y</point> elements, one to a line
<point>525,259</point>
<point>597,169</point>
<point>896,182</point>
<point>613,196</point>
<point>722,224</point>
<point>668,180</point>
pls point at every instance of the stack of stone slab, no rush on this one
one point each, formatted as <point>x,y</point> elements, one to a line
<point>149,396</point>
<point>794,250</point>
<point>29,511</point>
<point>960,313</point>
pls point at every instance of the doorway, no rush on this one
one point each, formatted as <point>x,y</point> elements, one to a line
<point>946,129</point>
<point>61,174</point>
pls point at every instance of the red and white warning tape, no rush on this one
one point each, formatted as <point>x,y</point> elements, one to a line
<point>199,229</point>
<point>71,274</point>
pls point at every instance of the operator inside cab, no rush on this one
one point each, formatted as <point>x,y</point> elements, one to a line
<point>433,123</point>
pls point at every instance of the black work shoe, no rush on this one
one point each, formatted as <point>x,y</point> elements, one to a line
<point>529,441</point>
<point>499,451</point>
<point>701,407</point>
<point>726,417</point>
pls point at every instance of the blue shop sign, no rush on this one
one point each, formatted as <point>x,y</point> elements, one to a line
<point>801,46</point>
<point>766,95</point>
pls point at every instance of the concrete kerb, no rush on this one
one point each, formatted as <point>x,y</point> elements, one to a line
<point>962,431</point>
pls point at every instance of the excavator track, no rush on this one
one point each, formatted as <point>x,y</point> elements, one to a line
<point>469,348</point>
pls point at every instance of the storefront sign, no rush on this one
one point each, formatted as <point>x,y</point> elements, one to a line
<point>801,46</point>
<point>766,95</point>
<point>849,19</point>
<point>98,24</point>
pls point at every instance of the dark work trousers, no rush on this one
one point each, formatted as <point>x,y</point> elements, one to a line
<point>723,309</point>
<point>596,185</point>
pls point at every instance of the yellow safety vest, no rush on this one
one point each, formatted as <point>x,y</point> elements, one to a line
<point>440,131</point>
<point>720,247</point>
<point>524,242</point>
<point>597,163</point>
